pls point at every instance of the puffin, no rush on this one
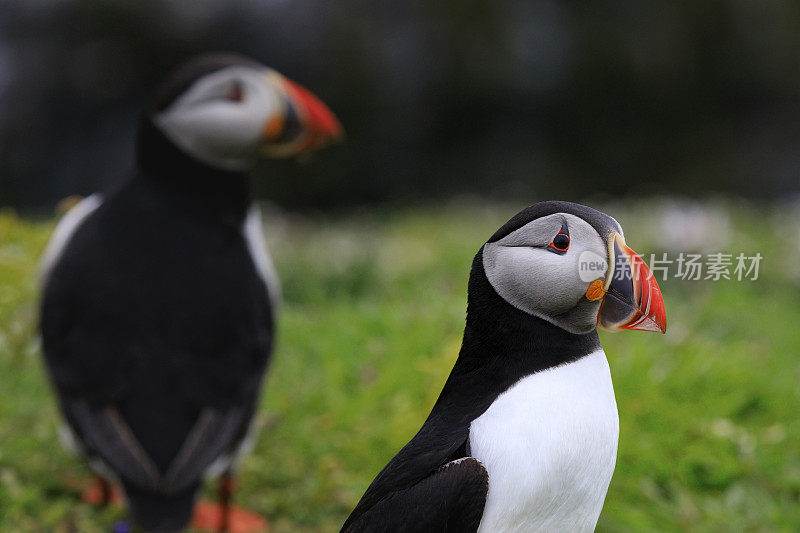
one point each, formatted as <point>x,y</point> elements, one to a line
<point>159,296</point>
<point>523,436</point>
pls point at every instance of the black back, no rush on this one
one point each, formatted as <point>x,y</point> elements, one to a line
<point>155,317</point>
<point>156,326</point>
<point>154,308</point>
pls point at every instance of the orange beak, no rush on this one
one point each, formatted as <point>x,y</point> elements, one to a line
<point>632,299</point>
<point>319,123</point>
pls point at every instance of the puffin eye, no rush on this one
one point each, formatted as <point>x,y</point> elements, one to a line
<point>560,243</point>
<point>234,92</point>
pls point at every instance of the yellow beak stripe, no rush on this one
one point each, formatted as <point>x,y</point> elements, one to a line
<point>596,290</point>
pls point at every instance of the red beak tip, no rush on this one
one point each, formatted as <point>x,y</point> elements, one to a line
<point>320,121</point>
<point>645,304</point>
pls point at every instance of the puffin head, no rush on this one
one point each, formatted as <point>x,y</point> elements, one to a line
<point>568,264</point>
<point>226,110</point>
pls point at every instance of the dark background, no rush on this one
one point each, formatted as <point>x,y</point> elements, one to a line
<point>506,98</point>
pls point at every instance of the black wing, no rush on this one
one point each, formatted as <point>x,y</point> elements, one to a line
<point>450,499</point>
<point>105,434</point>
<point>442,438</point>
<point>156,332</point>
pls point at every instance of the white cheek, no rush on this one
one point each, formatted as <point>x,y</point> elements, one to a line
<point>218,132</point>
<point>220,127</point>
<point>534,280</point>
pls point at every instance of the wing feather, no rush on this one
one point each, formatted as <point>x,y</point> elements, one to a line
<point>450,499</point>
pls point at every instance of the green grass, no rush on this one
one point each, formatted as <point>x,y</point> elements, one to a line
<point>370,327</point>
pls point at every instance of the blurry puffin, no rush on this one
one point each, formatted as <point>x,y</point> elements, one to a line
<point>524,434</point>
<point>159,296</point>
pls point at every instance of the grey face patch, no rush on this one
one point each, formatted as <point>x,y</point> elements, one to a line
<point>540,282</point>
<point>219,131</point>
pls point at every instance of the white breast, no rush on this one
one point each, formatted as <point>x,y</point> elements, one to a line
<point>257,246</point>
<point>64,231</point>
<point>549,444</point>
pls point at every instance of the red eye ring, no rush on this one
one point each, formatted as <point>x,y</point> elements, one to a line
<point>560,242</point>
<point>235,92</point>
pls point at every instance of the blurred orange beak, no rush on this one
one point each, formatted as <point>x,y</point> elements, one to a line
<point>320,124</point>
<point>304,125</point>
<point>632,299</point>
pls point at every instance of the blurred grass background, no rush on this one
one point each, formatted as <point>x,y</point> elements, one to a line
<point>374,304</point>
<point>505,99</point>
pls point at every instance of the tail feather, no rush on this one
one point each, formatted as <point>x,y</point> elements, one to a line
<point>161,513</point>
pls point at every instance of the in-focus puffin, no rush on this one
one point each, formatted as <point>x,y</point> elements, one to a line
<point>159,296</point>
<point>524,434</point>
